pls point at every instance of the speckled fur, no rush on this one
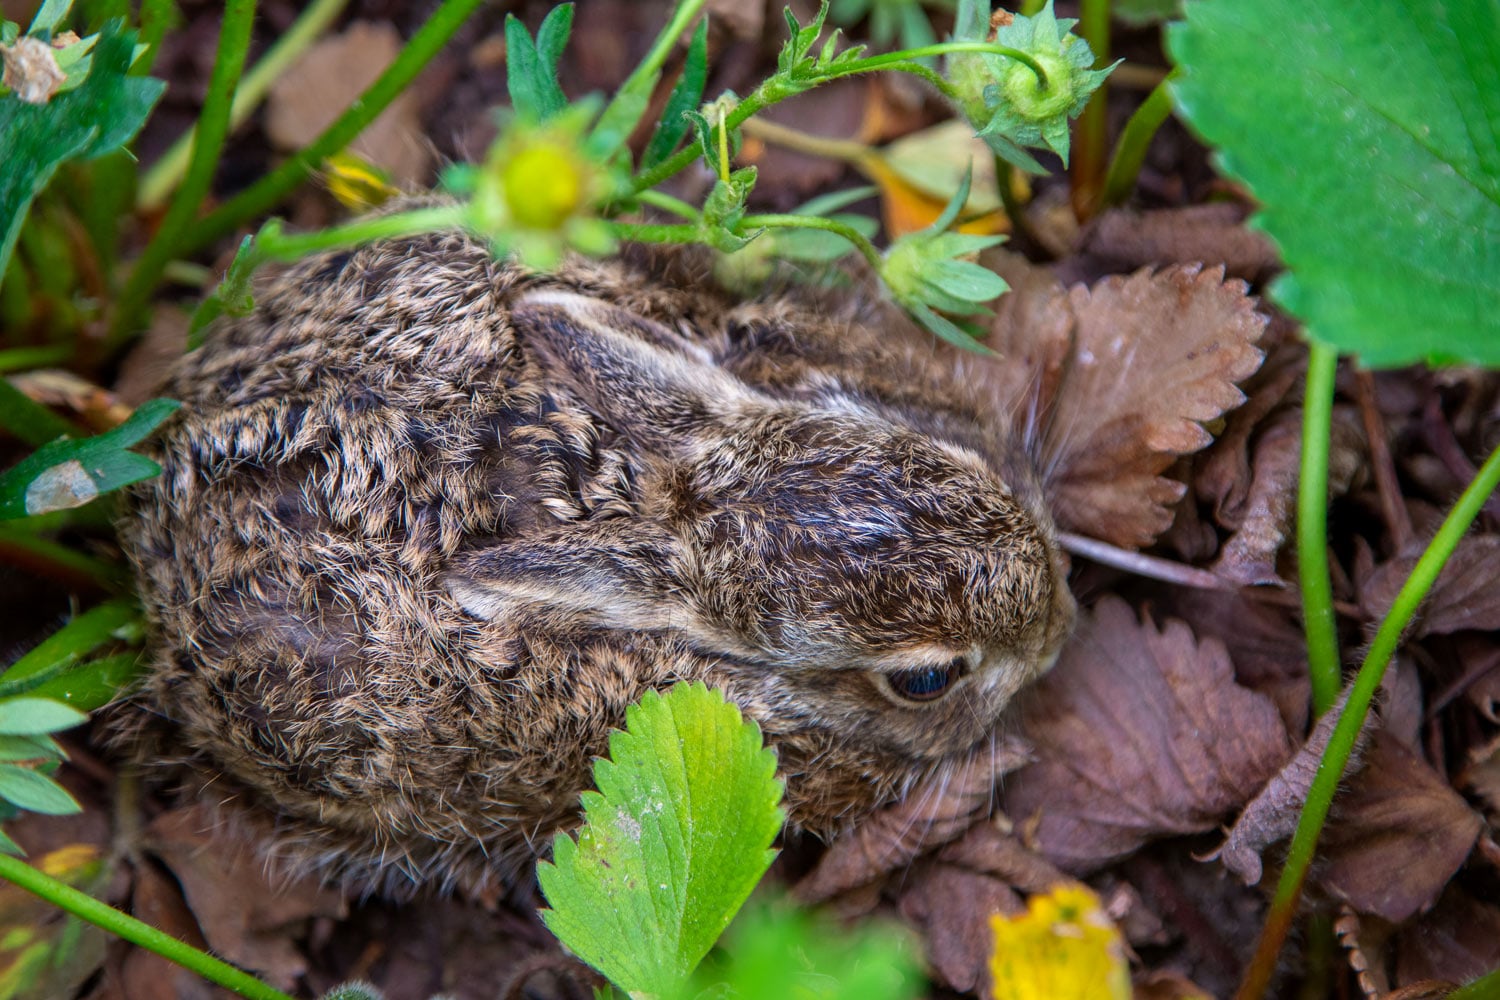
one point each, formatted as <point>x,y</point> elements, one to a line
<point>627,479</point>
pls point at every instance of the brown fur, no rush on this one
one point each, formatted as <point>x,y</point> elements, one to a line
<point>428,523</point>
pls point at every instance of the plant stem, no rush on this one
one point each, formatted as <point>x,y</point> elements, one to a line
<point>667,203</point>
<point>1351,721</point>
<point>888,60</point>
<point>654,233</point>
<point>1130,150</point>
<point>645,74</point>
<point>854,236</point>
<point>845,150</point>
<point>21,358</point>
<point>30,421</point>
<point>86,907</point>
<point>157,183</point>
<point>262,196</point>
<point>1091,134</point>
<point>271,244</point>
<point>1312,529</point>
<point>44,557</point>
<point>213,128</point>
<point>155,17</point>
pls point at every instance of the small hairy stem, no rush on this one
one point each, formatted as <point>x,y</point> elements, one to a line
<point>654,233</point>
<point>854,236</point>
<point>845,150</point>
<point>1351,721</point>
<point>156,16</point>
<point>1312,529</point>
<point>1091,133</point>
<point>1130,151</point>
<point>213,127</point>
<point>678,161</point>
<point>890,60</point>
<point>86,907</point>
<point>260,197</point>
<point>667,203</point>
<point>272,244</point>
<point>157,183</point>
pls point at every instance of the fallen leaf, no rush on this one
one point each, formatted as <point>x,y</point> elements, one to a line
<point>333,72</point>
<point>1214,233</point>
<point>1365,940</point>
<point>1458,941</point>
<point>1164,984</point>
<point>1397,807</point>
<point>1482,776</point>
<point>938,809</point>
<point>1465,596</point>
<point>992,848</point>
<point>1249,556</point>
<point>145,975</point>
<point>951,908</point>
<point>1140,733</point>
<point>1110,384</point>
<point>246,914</point>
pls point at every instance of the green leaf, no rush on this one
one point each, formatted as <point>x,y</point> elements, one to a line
<point>724,208</point>
<point>531,67</point>
<point>112,619</point>
<point>49,16</point>
<point>31,716</point>
<point>35,791</point>
<point>776,951</point>
<point>673,842</point>
<point>1373,147</point>
<point>966,281</point>
<point>685,97</point>
<point>67,474</point>
<point>94,684</point>
<point>98,116</point>
<point>8,846</point>
<point>14,748</point>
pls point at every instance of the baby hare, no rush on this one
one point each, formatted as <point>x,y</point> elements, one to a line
<point>429,522</point>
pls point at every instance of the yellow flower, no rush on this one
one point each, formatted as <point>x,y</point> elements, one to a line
<point>1063,948</point>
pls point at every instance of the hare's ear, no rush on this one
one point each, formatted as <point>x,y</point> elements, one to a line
<point>617,572</point>
<point>641,376</point>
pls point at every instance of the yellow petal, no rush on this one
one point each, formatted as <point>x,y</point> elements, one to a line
<point>1063,948</point>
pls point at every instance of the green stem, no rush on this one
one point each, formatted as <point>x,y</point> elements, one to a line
<point>1351,720</point>
<point>1091,133</point>
<point>30,421</point>
<point>156,16</point>
<point>86,907</point>
<point>42,556</point>
<point>845,150</point>
<point>1130,151</point>
<point>157,183</point>
<point>645,74</point>
<point>653,233</point>
<point>854,236</point>
<point>1020,224</point>
<point>262,196</point>
<point>667,203</point>
<point>17,359</point>
<point>271,244</point>
<point>213,128</point>
<point>888,60</point>
<point>1312,529</point>
<point>1486,987</point>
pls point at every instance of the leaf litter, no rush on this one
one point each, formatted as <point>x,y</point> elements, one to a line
<point>1164,412</point>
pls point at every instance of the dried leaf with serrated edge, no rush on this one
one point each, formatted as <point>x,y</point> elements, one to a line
<point>1110,384</point>
<point>951,907</point>
<point>1140,733</point>
<point>939,808</point>
<point>1465,596</point>
<point>1397,807</point>
<point>247,915</point>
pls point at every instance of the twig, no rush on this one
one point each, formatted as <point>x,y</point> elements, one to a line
<point>1397,520</point>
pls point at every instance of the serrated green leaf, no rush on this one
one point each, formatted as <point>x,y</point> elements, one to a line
<point>673,842</point>
<point>35,791</point>
<point>531,67</point>
<point>1373,148</point>
<point>30,716</point>
<point>67,474</point>
<point>94,118</point>
<point>686,96</point>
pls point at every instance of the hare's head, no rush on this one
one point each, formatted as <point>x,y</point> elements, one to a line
<point>849,572</point>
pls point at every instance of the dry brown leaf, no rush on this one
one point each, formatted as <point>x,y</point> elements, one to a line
<point>144,975</point>
<point>1398,833</point>
<point>307,98</point>
<point>1465,596</point>
<point>1167,985</point>
<point>1249,556</point>
<point>1215,233</point>
<point>1110,384</point>
<point>246,915</point>
<point>1140,733</point>
<point>934,812</point>
<point>1272,815</point>
<point>951,907</point>
<point>1482,776</point>
<point>1458,941</point>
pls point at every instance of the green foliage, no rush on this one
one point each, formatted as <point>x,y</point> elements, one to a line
<point>1371,145</point>
<point>69,473</point>
<point>674,840</point>
<point>797,69</point>
<point>924,272</point>
<point>686,95</point>
<point>723,210</point>
<point>94,118</point>
<point>531,67</point>
<point>891,21</point>
<point>1008,103</point>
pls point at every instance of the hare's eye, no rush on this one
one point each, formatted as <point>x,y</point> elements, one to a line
<point>926,683</point>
